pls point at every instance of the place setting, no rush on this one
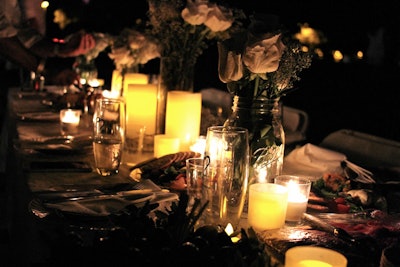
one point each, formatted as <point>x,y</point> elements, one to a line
<point>61,145</point>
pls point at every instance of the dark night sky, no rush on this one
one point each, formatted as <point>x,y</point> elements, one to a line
<point>355,95</point>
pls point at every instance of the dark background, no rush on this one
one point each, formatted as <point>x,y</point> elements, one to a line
<point>354,94</point>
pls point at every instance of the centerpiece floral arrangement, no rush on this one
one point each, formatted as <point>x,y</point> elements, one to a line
<point>184,29</point>
<point>260,64</point>
<point>261,60</point>
<point>85,65</point>
<point>258,61</point>
<point>177,31</point>
<point>132,48</point>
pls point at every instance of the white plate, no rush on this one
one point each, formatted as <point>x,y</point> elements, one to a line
<point>99,206</point>
<point>39,116</point>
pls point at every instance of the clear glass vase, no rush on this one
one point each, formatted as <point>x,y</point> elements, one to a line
<point>262,117</point>
<point>176,73</point>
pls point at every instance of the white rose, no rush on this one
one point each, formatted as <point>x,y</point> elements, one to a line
<point>148,52</point>
<point>136,40</point>
<point>121,56</point>
<point>264,56</point>
<point>219,18</point>
<point>195,12</point>
<point>230,67</point>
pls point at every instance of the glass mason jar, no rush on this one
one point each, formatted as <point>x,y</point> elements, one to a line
<point>263,119</point>
<point>86,69</point>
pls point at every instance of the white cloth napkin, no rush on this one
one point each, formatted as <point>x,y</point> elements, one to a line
<point>314,161</point>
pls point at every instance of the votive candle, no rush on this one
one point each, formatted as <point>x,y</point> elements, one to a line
<point>69,120</point>
<point>298,193</point>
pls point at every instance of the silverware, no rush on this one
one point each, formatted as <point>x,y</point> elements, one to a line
<point>326,227</point>
<point>94,195</point>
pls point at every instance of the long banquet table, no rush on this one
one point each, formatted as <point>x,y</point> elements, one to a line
<point>26,176</point>
<point>36,241</point>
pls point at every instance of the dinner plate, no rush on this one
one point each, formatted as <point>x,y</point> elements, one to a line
<point>31,95</point>
<point>59,145</point>
<point>88,208</point>
<point>58,149</point>
<point>47,116</point>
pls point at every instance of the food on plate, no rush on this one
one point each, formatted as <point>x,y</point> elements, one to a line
<point>335,182</point>
<point>334,192</point>
<point>167,171</point>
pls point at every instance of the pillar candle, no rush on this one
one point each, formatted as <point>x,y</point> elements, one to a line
<point>311,256</point>
<point>267,206</point>
<point>129,78</point>
<point>141,109</point>
<point>164,145</point>
<point>116,82</point>
<point>183,114</point>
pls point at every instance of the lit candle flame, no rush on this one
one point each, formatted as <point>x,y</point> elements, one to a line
<point>229,231</point>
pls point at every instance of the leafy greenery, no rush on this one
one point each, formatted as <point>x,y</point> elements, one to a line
<point>170,239</point>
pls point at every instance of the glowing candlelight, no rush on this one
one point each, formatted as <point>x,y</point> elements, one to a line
<point>69,120</point>
<point>229,231</point>
<point>313,263</point>
<point>141,109</point>
<point>311,256</point>
<point>164,145</point>
<point>267,206</point>
<point>298,192</point>
<point>110,94</point>
<point>96,82</point>
<point>135,78</point>
<point>118,81</point>
<point>183,114</point>
<point>199,146</point>
<point>70,116</point>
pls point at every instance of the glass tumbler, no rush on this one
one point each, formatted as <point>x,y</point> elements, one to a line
<point>226,176</point>
<point>108,135</point>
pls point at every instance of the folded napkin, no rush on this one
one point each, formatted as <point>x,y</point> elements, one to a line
<point>314,161</point>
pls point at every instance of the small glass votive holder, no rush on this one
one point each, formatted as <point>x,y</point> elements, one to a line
<point>164,145</point>
<point>310,256</point>
<point>195,168</point>
<point>298,192</point>
<point>267,206</point>
<point>69,121</point>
